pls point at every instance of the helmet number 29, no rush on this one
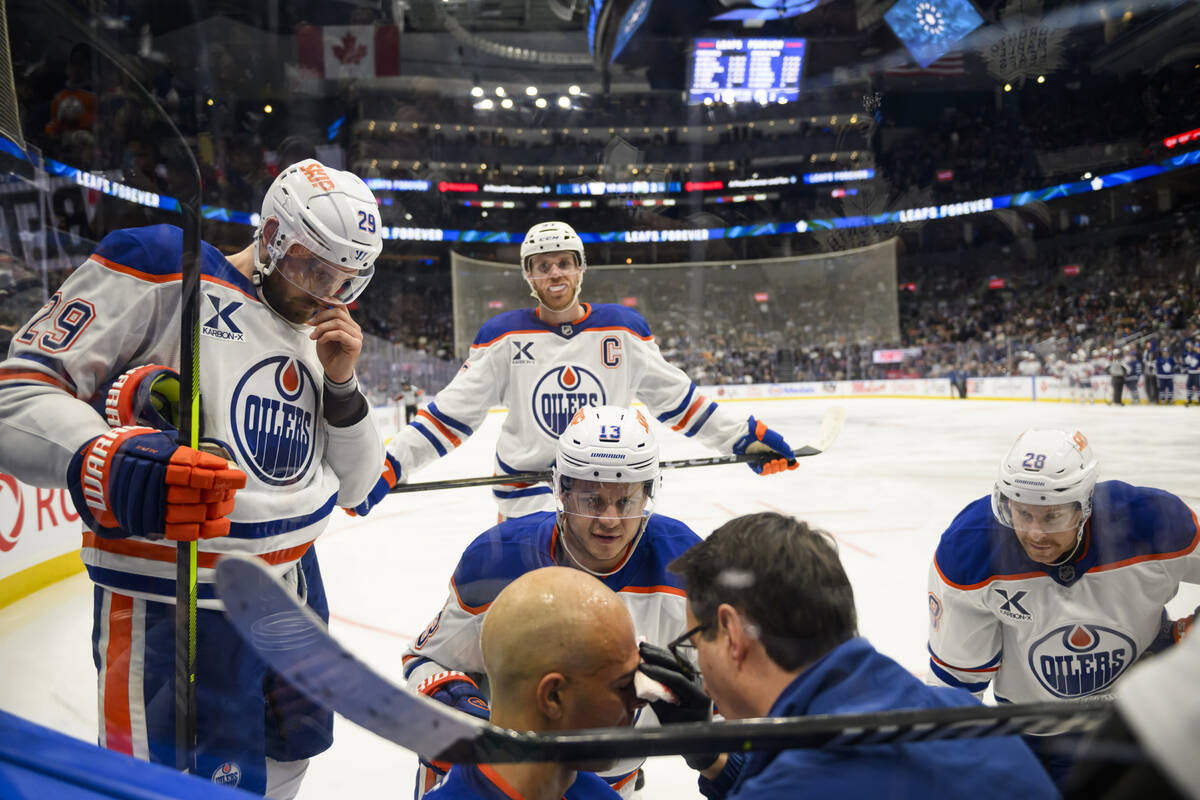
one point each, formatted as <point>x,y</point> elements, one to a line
<point>1034,461</point>
<point>366,221</point>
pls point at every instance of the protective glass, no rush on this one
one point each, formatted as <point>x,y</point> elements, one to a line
<point>322,280</point>
<point>608,500</point>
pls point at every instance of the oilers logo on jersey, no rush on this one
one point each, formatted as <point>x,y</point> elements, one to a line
<point>1077,660</point>
<point>560,393</point>
<point>273,416</point>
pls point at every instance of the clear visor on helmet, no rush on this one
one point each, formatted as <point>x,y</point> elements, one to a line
<point>325,282</point>
<point>604,500</point>
<point>1048,514</point>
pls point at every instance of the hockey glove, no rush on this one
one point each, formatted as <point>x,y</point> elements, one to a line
<point>146,395</point>
<point>387,481</point>
<point>761,439</point>
<point>139,482</point>
<point>457,690</point>
<point>685,701</point>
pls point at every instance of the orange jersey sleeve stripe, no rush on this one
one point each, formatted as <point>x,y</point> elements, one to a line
<point>172,276</point>
<point>30,375</point>
<point>166,553</point>
<point>501,336</point>
<point>963,669</point>
<point>442,429</point>
<point>967,587</point>
<point>655,590</point>
<point>691,412</point>
<point>473,610</point>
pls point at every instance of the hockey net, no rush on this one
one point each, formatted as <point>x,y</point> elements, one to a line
<point>762,304</point>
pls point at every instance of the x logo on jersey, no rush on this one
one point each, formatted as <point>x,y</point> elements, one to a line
<point>1013,604</point>
<point>522,351</point>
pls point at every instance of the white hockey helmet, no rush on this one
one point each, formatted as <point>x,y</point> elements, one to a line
<point>605,444</point>
<point>551,237</point>
<point>332,214</point>
<point>1046,468</point>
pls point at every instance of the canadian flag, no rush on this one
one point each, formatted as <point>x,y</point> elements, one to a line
<point>348,51</point>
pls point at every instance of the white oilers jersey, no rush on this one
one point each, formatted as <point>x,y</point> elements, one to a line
<point>1066,632</point>
<point>654,595</point>
<point>544,373</point>
<point>261,401</point>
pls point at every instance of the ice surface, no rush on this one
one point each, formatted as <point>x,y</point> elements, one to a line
<point>895,478</point>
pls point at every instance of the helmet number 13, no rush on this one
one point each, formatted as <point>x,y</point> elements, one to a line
<point>610,433</point>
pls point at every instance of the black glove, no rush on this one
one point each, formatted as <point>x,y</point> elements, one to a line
<point>691,703</point>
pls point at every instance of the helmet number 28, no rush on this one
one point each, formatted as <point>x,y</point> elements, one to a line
<point>1034,461</point>
<point>366,221</point>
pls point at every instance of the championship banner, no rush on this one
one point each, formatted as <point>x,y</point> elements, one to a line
<point>343,52</point>
<point>40,534</point>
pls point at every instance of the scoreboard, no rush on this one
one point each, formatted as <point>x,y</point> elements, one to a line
<point>759,70</point>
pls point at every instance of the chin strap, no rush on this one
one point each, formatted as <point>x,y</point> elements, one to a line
<point>1078,541</point>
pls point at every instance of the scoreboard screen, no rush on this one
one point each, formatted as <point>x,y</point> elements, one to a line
<point>758,70</point>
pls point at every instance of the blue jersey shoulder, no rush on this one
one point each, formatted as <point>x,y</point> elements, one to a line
<point>976,547</point>
<point>156,250</point>
<point>664,540</point>
<point>501,554</point>
<point>519,319</point>
<point>1131,521</point>
<point>606,315</point>
<point>1127,522</point>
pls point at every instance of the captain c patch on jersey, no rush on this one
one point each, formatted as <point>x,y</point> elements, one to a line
<point>1077,660</point>
<point>273,414</point>
<point>560,393</point>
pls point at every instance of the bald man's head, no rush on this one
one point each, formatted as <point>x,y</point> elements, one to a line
<point>560,653</point>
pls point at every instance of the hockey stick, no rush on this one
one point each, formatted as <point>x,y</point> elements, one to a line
<point>189,393</point>
<point>831,426</point>
<point>297,645</point>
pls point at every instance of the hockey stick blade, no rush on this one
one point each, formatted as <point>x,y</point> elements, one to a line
<point>297,645</point>
<point>831,426</point>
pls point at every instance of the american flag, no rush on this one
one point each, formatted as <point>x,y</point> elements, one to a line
<point>948,65</point>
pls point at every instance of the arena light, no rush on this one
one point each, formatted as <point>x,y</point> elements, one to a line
<point>1182,138</point>
<point>573,90</point>
<point>485,104</point>
<point>506,103</point>
<point>540,102</point>
<point>531,91</point>
<point>500,92</point>
<point>996,283</point>
<point>477,91</point>
<point>1071,269</point>
<point>564,101</point>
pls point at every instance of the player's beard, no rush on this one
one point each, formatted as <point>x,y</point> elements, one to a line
<point>294,305</point>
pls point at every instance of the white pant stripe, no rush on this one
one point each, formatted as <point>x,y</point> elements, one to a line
<point>137,693</point>
<point>102,648</point>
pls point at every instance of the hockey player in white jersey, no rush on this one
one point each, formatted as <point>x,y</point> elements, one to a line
<point>546,362</point>
<point>1052,586</point>
<point>606,481</point>
<point>279,399</point>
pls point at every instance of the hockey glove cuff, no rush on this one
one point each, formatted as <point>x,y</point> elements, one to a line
<point>139,482</point>
<point>387,481</point>
<point>761,439</point>
<point>146,395</point>
<point>687,701</point>
<point>457,690</point>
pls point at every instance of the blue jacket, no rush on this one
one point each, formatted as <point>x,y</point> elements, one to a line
<point>856,678</point>
<point>481,782</point>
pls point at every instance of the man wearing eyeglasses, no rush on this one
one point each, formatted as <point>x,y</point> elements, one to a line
<point>771,617</point>
<point>606,483</point>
